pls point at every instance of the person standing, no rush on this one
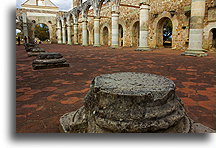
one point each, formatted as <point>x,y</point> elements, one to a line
<point>18,40</point>
<point>25,38</point>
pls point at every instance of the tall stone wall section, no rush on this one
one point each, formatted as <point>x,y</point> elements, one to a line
<point>178,11</point>
<point>180,22</point>
<point>40,17</point>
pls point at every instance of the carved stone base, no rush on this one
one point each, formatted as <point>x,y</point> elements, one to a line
<point>28,46</point>
<point>143,49</point>
<point>195,53</point>
<point>49,60</point>
<point>35,51</point>
<point>130,103</point>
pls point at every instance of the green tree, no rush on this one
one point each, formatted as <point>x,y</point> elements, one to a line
<point>42,32</point>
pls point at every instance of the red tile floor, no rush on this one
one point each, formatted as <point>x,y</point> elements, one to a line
<point>44,95</point>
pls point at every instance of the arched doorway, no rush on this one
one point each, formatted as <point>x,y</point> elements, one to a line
<point>164,33</point>
<point>212,36</point>
<point>19,36</point>
<point>121,35</point>
<point>135,34</point>
<point>105,36</point>
<point>88,37</point>
<point>42,33</point>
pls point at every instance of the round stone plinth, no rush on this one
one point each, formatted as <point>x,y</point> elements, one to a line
<point>35,51</point>
<point>28,46</point>
<point>131,103</point>
<point>50,55</point>
<point>49,60</point>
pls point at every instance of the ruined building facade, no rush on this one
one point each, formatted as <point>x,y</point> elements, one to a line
<point>129,23</point>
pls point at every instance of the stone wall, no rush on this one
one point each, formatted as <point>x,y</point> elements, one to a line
<point>178,11</point>
<point>41,17</point>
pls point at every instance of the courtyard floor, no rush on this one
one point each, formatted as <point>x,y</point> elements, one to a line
<point>42,96</point>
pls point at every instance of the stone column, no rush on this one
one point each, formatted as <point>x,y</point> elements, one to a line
<point>63,34</point>
<point>96,32</point>
<point>25,26</point>
<point>76,33</point>
<point>196,29</point>
<point>59,32</point>
<point>84,33</point>
<point>115,29</point>
<point>144,17</point>
<point>69,34</point>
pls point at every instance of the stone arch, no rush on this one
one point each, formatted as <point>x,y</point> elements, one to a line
<point>122,33</point>
<point>85,8</point>
<point>51,35</point>
<point>18,23</point>
<point>208,35</point>
<point>19,35</point>
<point>42,37</point>
<point>164,32</point>
<point>135,33</point>
<point>49,21</point>
<point>105,34</point>
<point>158,32</point>
<point>212,37</point>
<point>97,5</point>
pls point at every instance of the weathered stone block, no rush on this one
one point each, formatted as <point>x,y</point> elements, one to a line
<point>35,51</point>
<point>212,14</point>
<point>130,103</point>
<point>29,46</point>
<point>49,60</point>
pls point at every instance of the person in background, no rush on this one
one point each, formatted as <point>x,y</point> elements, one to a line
<point>18,40</point>
<point>25,39</point>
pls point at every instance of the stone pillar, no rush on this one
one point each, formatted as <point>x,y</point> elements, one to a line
<point>25,26</point>
<point>115,30</point>
<point>96,32</point>
<point>196,29</point>
<point>84,33</point>
<point>69,34</point>
<point>144,17</point>
<point>59,32</point>
<point>76,33</point>
<point>63,33</point>
<point>31,32</point>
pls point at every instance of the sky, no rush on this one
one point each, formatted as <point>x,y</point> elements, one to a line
<point>62,4</point>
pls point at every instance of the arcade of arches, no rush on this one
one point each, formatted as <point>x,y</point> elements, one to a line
<point>142,24</point>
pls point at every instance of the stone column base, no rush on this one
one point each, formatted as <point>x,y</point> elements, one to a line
<point>96,45</point>
<point>143,49</point>
<point>114,46</point>
<point>195,53</point>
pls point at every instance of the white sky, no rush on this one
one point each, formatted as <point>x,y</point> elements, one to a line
<point>62,4</point>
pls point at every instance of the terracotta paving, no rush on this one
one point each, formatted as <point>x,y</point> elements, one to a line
<point>44,95</point>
